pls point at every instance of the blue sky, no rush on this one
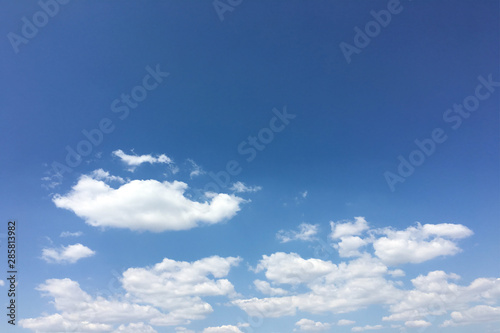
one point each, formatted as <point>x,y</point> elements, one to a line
<point>358,190</point>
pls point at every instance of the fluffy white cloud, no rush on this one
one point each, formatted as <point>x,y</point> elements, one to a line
<point>417,323</point>
<point>145,205</point>
<point>265,288</point>
<point>71,234</point>
<point>178,286</point>
<point>420,243</point>
<point>345,322</point>
<point>366,328</point>
<point>346,228</point>
<point>2,283</point>
<point>66,254</point>
<point>241,187</point>
<point>135,160</point>
<point>312,326</point>
<point>222,329</point>
<point>349,246</point>
<point>306,232</point>
<point>290,268</point>
<point>135,328</point>
<point>477,314</point>
<point>168,293</point>
<point>79,312</point>
<point>332,288</point>
<point>435,295</point>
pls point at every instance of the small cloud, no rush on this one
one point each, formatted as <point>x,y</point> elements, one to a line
<point>135,328</point>
<point>135,160</point>
<point>240,187</point>
<point>71,234</point>
<point>222,329</point>
<point>2,283</point>
<point>417,323</point>
<point>308,325</point>
<point>366,328</point>
<point>196,169</point>
<point>304,194</point>
<point>66,254</point>
<point>100,174</point>
<point>345,322</point>
<point>306,232</point>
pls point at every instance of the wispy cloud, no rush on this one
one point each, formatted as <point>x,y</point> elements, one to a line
<point>196,170</point>
<point>306,232</point>
<point>71,234</point>
<point>240,187</point>
<point>135,160</point>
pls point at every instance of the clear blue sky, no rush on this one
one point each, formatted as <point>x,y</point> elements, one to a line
<point>324,223</point>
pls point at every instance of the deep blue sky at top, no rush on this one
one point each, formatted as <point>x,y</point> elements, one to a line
<point>353,120</point>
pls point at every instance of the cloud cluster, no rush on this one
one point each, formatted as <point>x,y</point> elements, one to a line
<point>144,205</point>
<point>168,293</point>
<point>172,293</point>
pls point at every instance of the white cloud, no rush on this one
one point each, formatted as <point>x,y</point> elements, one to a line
<point>304,194</point>
<point>306,232</point>
<point>57,323</point>
<point>265,288</point>
<point>240,187</point>
<point>183,330</point>
<point>345,322</point>
<point>435,295</point>
<point>417,323</point>
<point>349,246</point>
<point>346,228</point>
<point>308,325</point>
<point>71,234</point>
<point>2,283</point>
<point>366,328</point>
<point>168,293</point>
<point>420,243</point>
<point>222,329</point>
<point>100,174</point>
<point>178,286</point>
<point>135,328</point>
<point>135,160</point>
<point>196,169</point>
<point>477,314</point>
<point>81,313</point>
<point>290,268</point>
<point>66,254</point>
<point>145,205</point>
<point>332,288</point>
